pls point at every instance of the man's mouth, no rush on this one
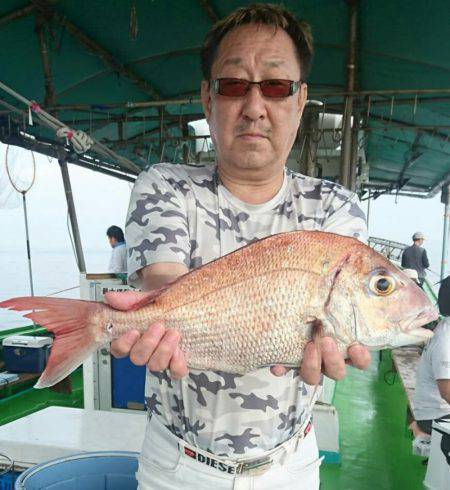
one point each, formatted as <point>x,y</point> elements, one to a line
<point>252,136</point>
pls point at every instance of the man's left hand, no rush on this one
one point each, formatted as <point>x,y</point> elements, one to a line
<point>324,357</point>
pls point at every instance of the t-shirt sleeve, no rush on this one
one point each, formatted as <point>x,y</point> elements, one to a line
<point>156,227</point>
<point>440,357</point>
<point>344,215</point>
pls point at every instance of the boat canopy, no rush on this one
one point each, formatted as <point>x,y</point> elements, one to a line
<point>128,73</point>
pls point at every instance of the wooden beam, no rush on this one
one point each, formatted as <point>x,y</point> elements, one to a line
<point>17,14</point>
<point>50,99</point>
<point>146,59</point>
<point>98,50</point>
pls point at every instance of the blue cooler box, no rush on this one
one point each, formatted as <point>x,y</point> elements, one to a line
<point>26,354</point>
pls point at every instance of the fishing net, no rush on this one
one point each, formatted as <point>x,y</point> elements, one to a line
<point>20,170</point>
<point>17,175</point>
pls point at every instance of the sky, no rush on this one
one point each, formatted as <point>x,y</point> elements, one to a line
<point>102,201</point>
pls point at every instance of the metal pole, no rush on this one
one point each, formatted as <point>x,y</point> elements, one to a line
<point>73,216</point>
<point>185,142</point>
<point>354,152</point>
<point>368,211</point>
<point>445,201</point>
<point>308,138</point>
<point>346,146</point>
<point>25,214</point>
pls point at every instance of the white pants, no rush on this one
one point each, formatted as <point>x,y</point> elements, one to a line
<point>163,466</point>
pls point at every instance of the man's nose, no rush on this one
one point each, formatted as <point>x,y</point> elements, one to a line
<point>254,104</point>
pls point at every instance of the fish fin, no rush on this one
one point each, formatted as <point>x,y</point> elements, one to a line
<point>131,300</point>
<point>67,320</point>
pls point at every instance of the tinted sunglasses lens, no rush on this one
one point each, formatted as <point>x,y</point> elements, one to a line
<point>233,87</point>
<point>276,88</point>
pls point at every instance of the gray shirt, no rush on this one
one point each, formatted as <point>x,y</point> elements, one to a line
<point>183,214</point>
<point>434,364</point>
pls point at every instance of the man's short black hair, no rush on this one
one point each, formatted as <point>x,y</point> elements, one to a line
<point>260,14</point>
<point>115,232</point>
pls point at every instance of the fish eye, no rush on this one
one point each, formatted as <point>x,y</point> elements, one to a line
<point>382,285</point>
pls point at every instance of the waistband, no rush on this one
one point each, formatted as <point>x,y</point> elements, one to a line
<point>250,466</point>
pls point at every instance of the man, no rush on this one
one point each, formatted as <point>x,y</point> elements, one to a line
<point>432,395</point>
<point>214,428</point>
<point>415,257</point>
<point>118,261</point>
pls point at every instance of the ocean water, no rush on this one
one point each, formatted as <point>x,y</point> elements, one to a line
<point>53,270</point>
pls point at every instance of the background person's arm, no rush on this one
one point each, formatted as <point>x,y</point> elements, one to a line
<point>440,358</point>
<point>444,389</point>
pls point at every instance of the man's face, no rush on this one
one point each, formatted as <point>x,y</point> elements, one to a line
<point>112,241</point>
<point>254,132</point>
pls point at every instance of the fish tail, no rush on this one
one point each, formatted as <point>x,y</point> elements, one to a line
<point>67,319</point>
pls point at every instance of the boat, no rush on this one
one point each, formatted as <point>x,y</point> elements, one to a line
<point>377,121</point>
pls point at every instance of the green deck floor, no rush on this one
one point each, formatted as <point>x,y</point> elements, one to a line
<point>375,446</point>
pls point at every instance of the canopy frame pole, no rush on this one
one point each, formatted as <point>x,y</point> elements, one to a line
<point>62,160</point>
<point>354,152</point>
<point>445,238</point>
<point>50,99</point>
<point>346,145</point>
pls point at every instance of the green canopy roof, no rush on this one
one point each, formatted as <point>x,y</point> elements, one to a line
<point>90,62</point>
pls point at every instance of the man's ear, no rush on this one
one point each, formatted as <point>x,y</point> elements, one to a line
<point>206,98</point>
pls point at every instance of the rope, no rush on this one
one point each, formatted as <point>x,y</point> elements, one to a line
<point>63,291</point>
<point>9,465</point>
<point>79,137</point>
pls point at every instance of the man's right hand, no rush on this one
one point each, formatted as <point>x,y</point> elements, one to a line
<point>158,348</point>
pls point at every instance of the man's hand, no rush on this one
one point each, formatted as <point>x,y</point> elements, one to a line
<point>325,358</point>
<point>158,348</point>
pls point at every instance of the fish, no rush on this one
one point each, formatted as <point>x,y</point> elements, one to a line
<point>257,306</point>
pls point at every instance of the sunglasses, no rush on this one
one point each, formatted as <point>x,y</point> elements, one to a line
<point>238,87</point>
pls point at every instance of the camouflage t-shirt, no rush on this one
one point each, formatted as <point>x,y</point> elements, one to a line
<point>182,213</point>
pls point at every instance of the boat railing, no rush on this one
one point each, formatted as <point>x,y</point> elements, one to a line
<point>390,249</point>
<point>393,251</point>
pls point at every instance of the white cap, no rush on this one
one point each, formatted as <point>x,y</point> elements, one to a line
<point>418,235</point>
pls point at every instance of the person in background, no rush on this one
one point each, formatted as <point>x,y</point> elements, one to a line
<point>118,261</point>
<point>432,394</point>
<point>415,257</point>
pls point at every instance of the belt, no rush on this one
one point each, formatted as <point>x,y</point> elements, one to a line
<point>250,466</point>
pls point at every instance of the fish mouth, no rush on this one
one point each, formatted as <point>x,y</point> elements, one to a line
<point>425,316</point>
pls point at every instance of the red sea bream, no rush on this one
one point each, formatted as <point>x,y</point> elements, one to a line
<point>255,307</point>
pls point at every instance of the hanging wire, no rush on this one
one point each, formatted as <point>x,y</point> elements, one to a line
<point>414,109</point>
<point>369,100</point>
